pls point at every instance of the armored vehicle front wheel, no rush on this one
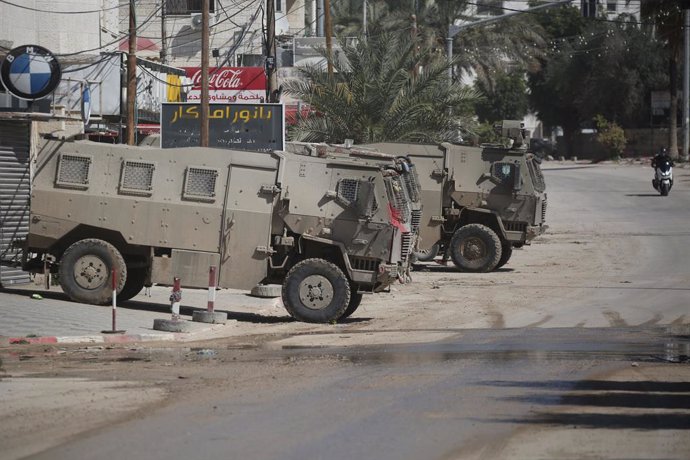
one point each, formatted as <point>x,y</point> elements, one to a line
<point>475,248</point>
<point>86,271</point>
<point>353,305</point>
<point>426,255</point>
<point>506,252</point>
<point>316,291</point>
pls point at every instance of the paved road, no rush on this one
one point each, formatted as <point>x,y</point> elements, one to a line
<point>555,390</point>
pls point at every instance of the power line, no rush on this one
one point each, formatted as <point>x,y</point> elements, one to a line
<point>117,40</point>
<point>57,12</point>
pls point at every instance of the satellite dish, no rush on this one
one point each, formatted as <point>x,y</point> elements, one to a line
<point>196,21</point>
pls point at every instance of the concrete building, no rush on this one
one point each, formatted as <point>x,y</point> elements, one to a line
<point>172,29</point>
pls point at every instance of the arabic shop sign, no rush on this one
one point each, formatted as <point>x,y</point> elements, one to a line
<point>229,84</point>
<point>258,127</point>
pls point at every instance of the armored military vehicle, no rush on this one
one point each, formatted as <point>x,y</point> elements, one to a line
<point>479,202</point>
<point>400,167</point>
<point>327,229</point>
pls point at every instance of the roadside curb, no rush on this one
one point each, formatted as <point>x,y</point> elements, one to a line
<point>114,338</point>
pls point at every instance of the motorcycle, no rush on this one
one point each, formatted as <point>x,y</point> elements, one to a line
<point>663,176</point>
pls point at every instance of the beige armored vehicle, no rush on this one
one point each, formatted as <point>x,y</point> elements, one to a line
<point>400,167</point>
<point>327,229</point>
<point>479,203</point>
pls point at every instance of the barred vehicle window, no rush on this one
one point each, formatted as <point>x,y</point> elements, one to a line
<point>349,190</point>
<point>398,197</point>
<point>73,171</point>
<point>504,172</point>
<point>137,178</point>
<point>200,184</point>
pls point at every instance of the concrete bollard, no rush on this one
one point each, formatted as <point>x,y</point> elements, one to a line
<point>210,316</point>
<point>113,277</point>
<point>174,324</point>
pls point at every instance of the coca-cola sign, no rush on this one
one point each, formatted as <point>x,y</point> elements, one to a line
<point>229,78</point>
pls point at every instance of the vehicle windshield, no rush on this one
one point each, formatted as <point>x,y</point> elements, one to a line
<point>412,183</point>
<point>397,194</point>
<point>535,174</point>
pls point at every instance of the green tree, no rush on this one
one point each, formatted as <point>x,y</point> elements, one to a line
<point>610,136</point>
<point>594,67</point>
<point>392,88</point>
<point>506,100</point>
<point>667,17</point>
<point>481,51</point>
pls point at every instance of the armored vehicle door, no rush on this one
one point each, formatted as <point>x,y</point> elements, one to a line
<point>429,162</point>
<point>246,230</point>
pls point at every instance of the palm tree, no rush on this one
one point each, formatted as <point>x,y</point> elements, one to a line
<point>389,87</point>
<point>667,18</point>
<point>484,51</point>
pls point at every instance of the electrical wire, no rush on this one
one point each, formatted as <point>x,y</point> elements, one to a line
<point>57,12</point>
<point>117,40</point>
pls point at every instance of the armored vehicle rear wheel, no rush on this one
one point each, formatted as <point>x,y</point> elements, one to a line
<point>427,255</point>
<point>316,291</point>
<point>475,248</point>
<point>86,269</point>
<point>136,278</point>
<point>506,252</point>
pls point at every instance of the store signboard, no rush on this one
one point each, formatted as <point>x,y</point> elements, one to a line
<point>258,127</point>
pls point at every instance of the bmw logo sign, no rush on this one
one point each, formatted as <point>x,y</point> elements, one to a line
<point>30,72</point>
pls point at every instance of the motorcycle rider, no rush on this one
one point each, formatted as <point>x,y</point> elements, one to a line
<point>659,159</point>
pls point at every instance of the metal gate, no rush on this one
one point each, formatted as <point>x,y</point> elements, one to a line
<point>15,190</point>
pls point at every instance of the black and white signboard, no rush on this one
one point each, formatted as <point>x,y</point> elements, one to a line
<point>258,127</point>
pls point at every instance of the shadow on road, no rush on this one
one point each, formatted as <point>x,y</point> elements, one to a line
<point>450,268</point>
<point>585,398</point>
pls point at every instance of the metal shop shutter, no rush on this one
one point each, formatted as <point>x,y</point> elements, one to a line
<point>15,190</point>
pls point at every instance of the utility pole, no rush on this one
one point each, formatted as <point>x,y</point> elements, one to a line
<point>204,72</point>
<point>132,75</point>
<point>319,18</point>
<point>271,79</point>
<point>164,35</point>
<point>329,35</point>
<point>686,82</point>
<point>364,17</point>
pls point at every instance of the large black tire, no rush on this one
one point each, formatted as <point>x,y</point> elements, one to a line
<point>136,278</point>
<point>475,248</point>
<point>86,268</point>
<point>353,305</point>
<point>506,252</point>
<point>316,291</point>
<point>664,189</point>
<point>427,255</point>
